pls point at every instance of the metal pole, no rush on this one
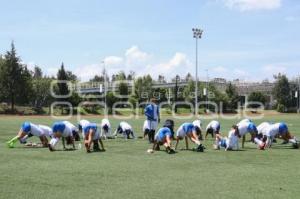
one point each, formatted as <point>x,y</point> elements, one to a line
<point>105,86</point>
<point>207,90</point>
<point>197,35</point>
<point>196,86</point>
<point>298,94</point>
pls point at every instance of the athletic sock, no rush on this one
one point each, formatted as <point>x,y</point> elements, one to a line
<point>293,141</point>
<point>257,141</point>
<point>13,140</point>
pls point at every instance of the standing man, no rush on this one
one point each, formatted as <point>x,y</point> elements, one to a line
<point>152,118</point>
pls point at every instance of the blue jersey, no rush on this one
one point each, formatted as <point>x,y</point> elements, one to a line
<point>152,112</point>
<point>87,128</point>
<point>163,133</point>
<point>188,127</point>
<point>58,127</point>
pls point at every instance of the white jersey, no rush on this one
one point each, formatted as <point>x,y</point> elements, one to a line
<point>125,126</point>
<point>69,129</point>
<point>70,125</point>
<point>35,130</point>
<point>215,125</point>
<point>180,132</point>
<point>232,141</point>
<point>105,122</point>
<point>245,120</point>
<point>198,124</point>
<point>263,127</point>
<point>47,131</point>
<point>272,130</point>
<point>243,127</point>
<point>84,123</point>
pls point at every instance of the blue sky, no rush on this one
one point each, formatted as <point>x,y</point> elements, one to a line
<point>246,39</point>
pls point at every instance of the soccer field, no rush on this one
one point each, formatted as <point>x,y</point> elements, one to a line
<point>125,170</point>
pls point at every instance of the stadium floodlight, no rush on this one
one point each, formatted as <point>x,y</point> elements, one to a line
<point>298,95</point>
<point>197,35</point>
<point>105,85</point>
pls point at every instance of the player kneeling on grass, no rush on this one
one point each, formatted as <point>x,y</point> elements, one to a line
<point>213,128</point>
<point>185,131</point>
<point>64,130</point>
<point>125,129</point>
<point>229,143</point>
<point>279,130</point>
<point>164,137</point>
<point>105,128</point>
<point>29,129</point>
<point>91,135</point>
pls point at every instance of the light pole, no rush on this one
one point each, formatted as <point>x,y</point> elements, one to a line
<point>298,95</point>
<point>207,80</point>
<point>105,85</point>
<point>197,35</point>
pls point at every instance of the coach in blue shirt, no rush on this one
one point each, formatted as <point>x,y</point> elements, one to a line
<point>152,119</point>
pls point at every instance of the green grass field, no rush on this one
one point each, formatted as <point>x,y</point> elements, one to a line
<point>125,170</point>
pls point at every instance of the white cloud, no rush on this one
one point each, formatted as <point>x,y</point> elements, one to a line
<point>136,58</point>
<point>220,69</point>
<point>133,59</point>
<point>84,73</point>
<point>114,61</point>
<point>274,69</point>
<point>248,5</point>
<point>179,64</point>
<point>239,73</point>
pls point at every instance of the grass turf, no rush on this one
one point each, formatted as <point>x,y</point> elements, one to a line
<point>125,170</point>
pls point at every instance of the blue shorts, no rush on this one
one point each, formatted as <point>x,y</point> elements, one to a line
<point>222,143</point>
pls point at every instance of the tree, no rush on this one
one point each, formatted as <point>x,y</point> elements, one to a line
<point>143,88</point>
<point>97,78</point>
<point>25,90</point>
<point>120,76</point>
<point>10,76</point>
<point>257,97</point>
<point>71,77</point>
<point>282,92</point>
<point>221,99</point>
<point>62,87</point>
<point>123,88</point>
<point>188,77</point>
<point>110,100</point>
<point>62,76</point>
<point>233,97</point>
<point>161,79</point>
<point>41,89</point>
<point>37,72</point>
<point>2,93</point>
<point>131,75</point>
